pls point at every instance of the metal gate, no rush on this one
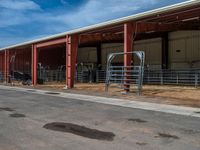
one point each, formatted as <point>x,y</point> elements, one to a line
<point>126,77</point>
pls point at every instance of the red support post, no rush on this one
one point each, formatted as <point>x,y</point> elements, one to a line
<point>129,29</point>
<point>71,52</point>
<point>8,66</point>
<point>5,66</point>
<point>34,65</point>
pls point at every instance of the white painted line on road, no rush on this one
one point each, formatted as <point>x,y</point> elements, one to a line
<point>171,109</point>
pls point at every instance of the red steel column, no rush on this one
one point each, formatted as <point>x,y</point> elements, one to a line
<point>8,66</point>
<point>129,29</point>
<point>5,66</point>
<point>71,52</point>
<point>34,65</point>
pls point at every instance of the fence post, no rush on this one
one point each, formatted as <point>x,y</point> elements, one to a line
<point>57,76</point>
<point>161,73</point>
<point>196,79</point>
<point>177,78</point>
<point>97,76</point>
<point>148,76</point>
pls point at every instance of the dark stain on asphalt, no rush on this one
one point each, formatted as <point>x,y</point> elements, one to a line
<point>197,112</point>
<point>137,120</point>
<point>80,130</point>
<point>52,93</point>
<point>16,115</point>
<point>31,90</point>
<point>6,109</point>
<point>141,143</point>
<point>190,131</point>
<point>80,103</point>
<point>167,136</point>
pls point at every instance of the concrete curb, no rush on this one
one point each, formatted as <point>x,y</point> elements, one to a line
<point>171,109</point>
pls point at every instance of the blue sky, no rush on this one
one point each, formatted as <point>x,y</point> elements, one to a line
<point>23,20</point>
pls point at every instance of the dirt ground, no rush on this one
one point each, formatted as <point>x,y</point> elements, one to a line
<point>173,95</point>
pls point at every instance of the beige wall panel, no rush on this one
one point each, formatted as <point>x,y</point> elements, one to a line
<point>87,55</point>
<point>111,48</point>
<point>152,49</point>
<point>188,44</point>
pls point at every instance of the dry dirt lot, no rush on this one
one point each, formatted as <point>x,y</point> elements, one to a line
<point>173,95</point>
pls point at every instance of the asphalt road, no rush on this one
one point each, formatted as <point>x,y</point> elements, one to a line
<point>25,124</point>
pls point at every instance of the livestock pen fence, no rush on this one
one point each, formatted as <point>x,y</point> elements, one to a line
<point>43,76</point>
<point>2,76</point>
<point>151,76</point>
<point>46,76</point>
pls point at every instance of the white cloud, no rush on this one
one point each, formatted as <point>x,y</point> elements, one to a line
<point>9,18</point>
<point>15,12</point>
<point>8,39</point>
<point>93,11</point>
<point>19,4</point>
<point>63,2</point>
<point>99,10</point>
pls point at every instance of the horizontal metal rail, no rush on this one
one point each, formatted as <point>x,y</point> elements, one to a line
<point>162,77</point>
<point>52,76</point>
<point>125,76</point>
<point>2,75</point>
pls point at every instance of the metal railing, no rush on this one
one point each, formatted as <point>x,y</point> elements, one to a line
<point>2,75</point>
<point>172,77</point>
<point>16,76</point>
<point>89,76</point>
<point>189,77</point>
<point>43,76</point>
<point>126,77</point>
<point>51,76</point>
<point>101,76</point>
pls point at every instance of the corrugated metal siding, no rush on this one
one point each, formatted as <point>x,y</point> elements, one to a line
<point>151,47</point>
<point>22,60</point>
<point>53,58</point>
<point>111,48</point>
<point>184,52</point>
<point>184,49</point>
<point>87,55</point>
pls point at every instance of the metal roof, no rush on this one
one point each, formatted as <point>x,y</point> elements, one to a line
<point>111,22</point>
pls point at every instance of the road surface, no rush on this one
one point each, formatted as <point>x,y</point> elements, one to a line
<point>30,121</point>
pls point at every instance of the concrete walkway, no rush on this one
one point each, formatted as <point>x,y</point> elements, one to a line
<point>179,110</point>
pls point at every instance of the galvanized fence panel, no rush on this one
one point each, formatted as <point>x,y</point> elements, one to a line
<point>46,76</point>
<point>125,77</point>
<point>101,76</point>
<point>2,75</point>
<point>188,77</point>
<point>172,77</point>
<point>83,76</point>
